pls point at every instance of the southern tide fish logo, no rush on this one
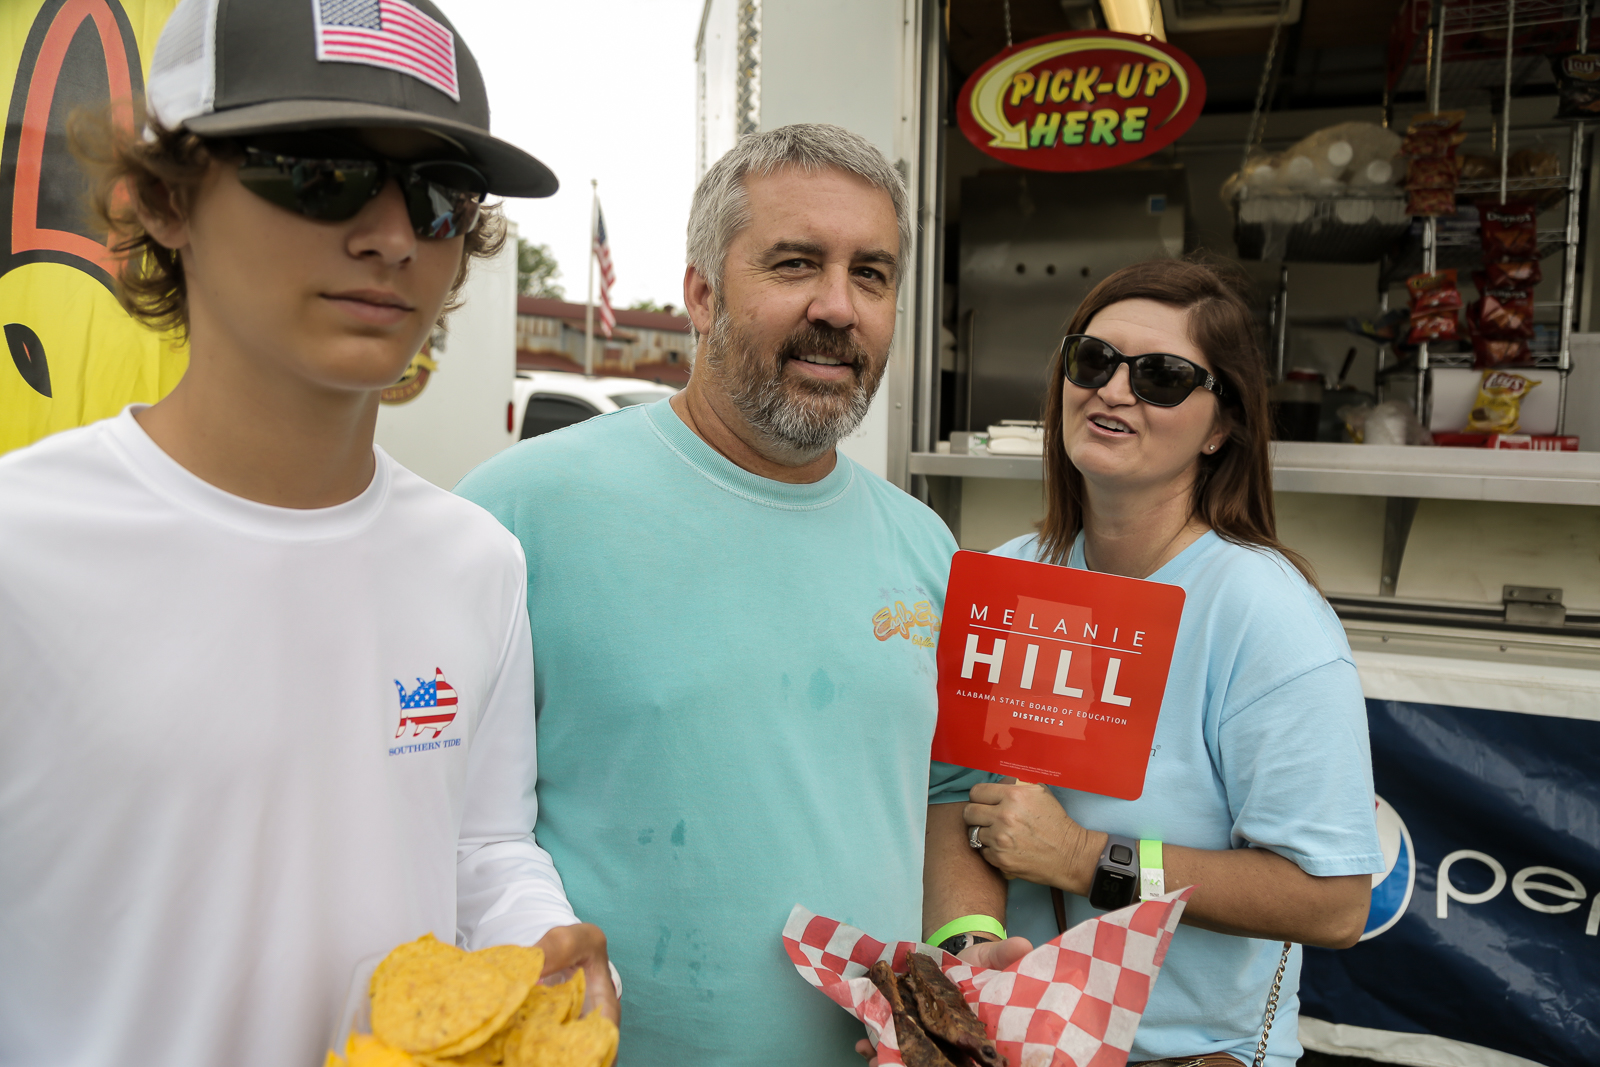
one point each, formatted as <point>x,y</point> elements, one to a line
<point>430,706</point>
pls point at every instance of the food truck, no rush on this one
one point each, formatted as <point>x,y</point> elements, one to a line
<point>1372,166</point>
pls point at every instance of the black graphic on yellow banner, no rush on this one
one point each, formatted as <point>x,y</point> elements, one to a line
<point>73,355</point>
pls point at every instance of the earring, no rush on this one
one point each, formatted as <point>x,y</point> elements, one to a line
<point>1212,448</point>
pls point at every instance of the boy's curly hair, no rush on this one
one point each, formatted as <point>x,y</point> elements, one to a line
<point>129,172</point>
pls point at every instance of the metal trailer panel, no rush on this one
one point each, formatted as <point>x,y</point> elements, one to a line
<point>1031,249</point>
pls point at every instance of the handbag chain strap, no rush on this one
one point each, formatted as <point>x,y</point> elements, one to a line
<point>1272,1004</point>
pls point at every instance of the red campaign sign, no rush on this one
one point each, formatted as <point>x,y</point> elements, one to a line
<point>1084,100</point>
<point>1053,674</point>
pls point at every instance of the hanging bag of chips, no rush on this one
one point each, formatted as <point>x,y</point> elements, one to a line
<point>1510,231</point>
<point>1431,141</point>
<point>1499,405</point>
<point>1577,85</point>
<point>1488,353</point>
<point>1504,314</point>
<point>1509,275</point>
<point>1434,300</point>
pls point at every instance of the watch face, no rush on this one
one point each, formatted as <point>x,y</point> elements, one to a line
<point>1112,889</point>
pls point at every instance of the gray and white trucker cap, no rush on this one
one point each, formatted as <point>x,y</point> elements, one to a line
<point>229,67</point>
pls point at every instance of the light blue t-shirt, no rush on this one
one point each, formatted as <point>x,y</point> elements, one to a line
<point>736,699</point>
<point>1262,741</point>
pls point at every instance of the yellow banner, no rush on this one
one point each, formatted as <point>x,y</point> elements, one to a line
<point>72,354</point>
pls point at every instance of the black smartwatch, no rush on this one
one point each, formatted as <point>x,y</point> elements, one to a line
<point>1116,878</point>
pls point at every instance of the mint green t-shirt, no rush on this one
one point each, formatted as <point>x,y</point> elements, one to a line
<point>735,697</point>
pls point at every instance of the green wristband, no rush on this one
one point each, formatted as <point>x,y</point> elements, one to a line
<point>965,925</point>
<point>1152,876</point>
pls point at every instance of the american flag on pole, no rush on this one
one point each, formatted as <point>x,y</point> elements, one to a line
<point>608,277</point>
<point>390,34</point>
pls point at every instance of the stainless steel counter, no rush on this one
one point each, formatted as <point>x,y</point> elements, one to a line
<point>1368,470</point>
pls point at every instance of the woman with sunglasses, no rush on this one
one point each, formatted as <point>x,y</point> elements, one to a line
<point>1259,788</point>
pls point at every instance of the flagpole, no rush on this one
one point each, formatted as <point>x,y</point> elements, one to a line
<point>588,313</point>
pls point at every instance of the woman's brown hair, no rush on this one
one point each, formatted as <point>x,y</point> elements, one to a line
<point>158,175</point>
<point>1233,488</point>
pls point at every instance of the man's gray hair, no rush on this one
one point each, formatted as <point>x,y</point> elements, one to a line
<point>722,208</point>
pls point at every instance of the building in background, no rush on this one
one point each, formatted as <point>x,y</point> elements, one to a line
<point>650,345</point>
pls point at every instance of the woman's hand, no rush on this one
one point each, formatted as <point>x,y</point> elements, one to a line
<point>1026,834</point>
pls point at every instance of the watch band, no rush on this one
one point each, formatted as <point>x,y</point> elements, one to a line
<point>1116,877</point>
<point>958,942</point>
<point>968,924</point>
<point>1152,876</point>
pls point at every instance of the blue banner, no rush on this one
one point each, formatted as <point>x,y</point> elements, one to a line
<point>1486,926</point>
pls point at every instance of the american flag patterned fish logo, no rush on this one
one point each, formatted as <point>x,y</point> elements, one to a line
<point>390,34</point>
<point>430,706</point>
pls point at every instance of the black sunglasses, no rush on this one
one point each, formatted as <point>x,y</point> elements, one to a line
<point>442,196</point>
<point>1157,378</point>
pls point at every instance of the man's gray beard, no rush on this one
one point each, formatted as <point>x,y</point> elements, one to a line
<point>802,427</point>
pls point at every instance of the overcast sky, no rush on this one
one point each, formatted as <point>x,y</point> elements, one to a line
<point>597,90</point>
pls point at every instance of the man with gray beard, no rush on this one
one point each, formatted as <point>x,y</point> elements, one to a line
<point>734,625</point>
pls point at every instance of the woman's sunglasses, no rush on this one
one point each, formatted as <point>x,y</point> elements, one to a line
<point>442,196</point>
<point>1157,377</point>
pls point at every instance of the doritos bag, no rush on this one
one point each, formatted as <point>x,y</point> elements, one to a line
<point>1488,353</point>
<point>1510,231</point>
<point>1504,314</point>
<point>1511,275</point>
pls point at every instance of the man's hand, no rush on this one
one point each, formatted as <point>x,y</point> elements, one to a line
<point>1026,834</point>
<point>583,945</point>
<point>996,955</point>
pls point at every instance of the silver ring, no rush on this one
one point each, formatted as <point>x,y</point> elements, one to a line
<point>972,838</point>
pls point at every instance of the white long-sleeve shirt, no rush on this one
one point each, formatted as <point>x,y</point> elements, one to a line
<point>221,785</point>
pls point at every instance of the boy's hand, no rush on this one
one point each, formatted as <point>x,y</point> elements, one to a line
<point>583,945</point>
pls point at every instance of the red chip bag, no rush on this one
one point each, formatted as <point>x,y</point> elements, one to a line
<point>1431,144</point>
<point>1433,326</point>
<point>1510,231</point>
<point>1488,353</point>
<point>1433,292</point>
<point>1433,173</point>
<point>1504,315</point>
<point>1431,202</point>
<point>1514,275</point>
<point>1434,135</point>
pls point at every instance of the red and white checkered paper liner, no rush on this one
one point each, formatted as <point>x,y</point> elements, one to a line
<point>1072,1002</point>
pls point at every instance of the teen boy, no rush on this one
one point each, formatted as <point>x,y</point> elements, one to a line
<point>267,707</point>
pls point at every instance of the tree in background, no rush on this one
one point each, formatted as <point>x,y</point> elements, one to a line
<point>651,305</point>
<point>537,271</point>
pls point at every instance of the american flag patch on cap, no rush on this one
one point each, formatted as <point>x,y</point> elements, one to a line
<point>390,34</point>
